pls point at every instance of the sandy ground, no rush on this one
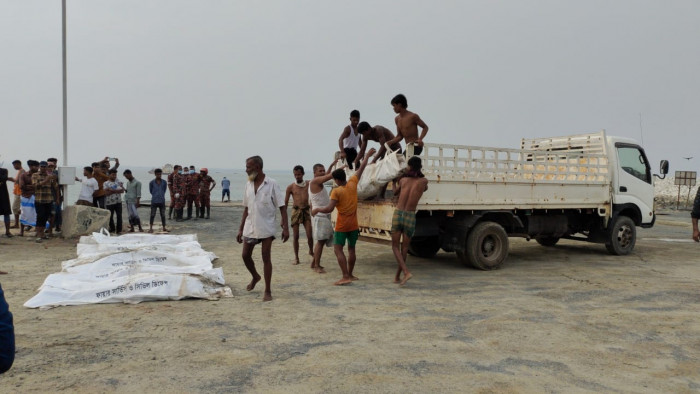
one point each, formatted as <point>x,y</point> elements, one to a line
<point>565,319</point>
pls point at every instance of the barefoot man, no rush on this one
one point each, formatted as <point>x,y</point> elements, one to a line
<point>344,198</point>
<point>262,197</point>
<point>299,192</point>
<point>407,124</point>
<point>403,224</point>
<point>322,226</point>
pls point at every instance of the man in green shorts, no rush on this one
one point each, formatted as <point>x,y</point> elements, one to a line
<point>403,224</point>
<point>344,198</point>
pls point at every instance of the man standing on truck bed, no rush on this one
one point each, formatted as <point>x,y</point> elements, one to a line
<point>403,224</point>
<point>350,139</point>
<point>344,197</point>
<point>407,124</point>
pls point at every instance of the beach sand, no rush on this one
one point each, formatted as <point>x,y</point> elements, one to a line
<point>562,319</point>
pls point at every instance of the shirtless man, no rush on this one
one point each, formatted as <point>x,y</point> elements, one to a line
<point>322,226</point>
<point>378,134</point>
<point>344,198</point>
<point>403,224</point>
<point>299,192</point>
<point>350,139</point>
<point>407,124</point>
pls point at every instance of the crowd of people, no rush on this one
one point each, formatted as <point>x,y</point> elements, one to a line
<point>313,205</point>
<point>39,199</point>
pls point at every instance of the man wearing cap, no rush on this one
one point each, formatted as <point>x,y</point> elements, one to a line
<point>45,191</point>
<point>206,185</point>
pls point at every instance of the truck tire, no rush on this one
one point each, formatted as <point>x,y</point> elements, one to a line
<point>547,241</point>
<point>487,246</point>
<point>622,236</point>
<point>425,247</point>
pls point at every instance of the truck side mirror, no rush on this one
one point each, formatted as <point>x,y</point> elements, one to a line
<point>663,169</point>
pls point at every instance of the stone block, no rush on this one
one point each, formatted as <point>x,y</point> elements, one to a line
<point>82,220</point>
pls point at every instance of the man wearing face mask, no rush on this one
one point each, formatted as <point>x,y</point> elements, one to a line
<point>179,190</point>
<point>192,181</point>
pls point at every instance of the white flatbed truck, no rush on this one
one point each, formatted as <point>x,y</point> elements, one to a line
<point>589,187</point>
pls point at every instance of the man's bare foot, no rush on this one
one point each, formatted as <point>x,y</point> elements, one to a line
<point>406,278</point>
<point>165,230</point>
<point>150,230</point>
<point>140,230</point>
<point>397,279</point>
<point>343,281</point>
<point>319,270</point>
<point>296,262</point>
<point>252,283</point>
<point>267,296</point>
<point>353,278</point>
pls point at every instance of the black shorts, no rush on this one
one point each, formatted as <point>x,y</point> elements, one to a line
<point>417,150</point>
<point>350,156</point>
<point>43,213</point>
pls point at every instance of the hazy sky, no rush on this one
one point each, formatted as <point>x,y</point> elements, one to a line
<point>212,82</point>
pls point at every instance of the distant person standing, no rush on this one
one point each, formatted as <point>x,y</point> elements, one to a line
<point>5,206</point>
<point>350,140</point>
<point>45,189</point>
<point>158,187</point>
<point>225,189</point>
<point>206,185</point>
<point>261,199</point>
<point>403,224</point>
<point>100,171</point>
<point>17,192</point>
<point>192,195</point>
<point>88,189</point>
<point>695,215</point>
<point>132,197</point>
<point>176,169</point>
<point>58,205</point>
<point>407,124</point>
<point>178,193</point>
<point>27,217</point>
<point>113,200</point>
<point>299,191</point>
<point>344,199</point>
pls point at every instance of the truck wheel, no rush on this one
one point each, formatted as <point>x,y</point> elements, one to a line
<point>424,247</point>
<point>547,241</point>
<point>622,236</point>
<point>487,246</point>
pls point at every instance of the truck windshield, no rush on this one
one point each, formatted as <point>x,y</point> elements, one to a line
<point>634,162</point>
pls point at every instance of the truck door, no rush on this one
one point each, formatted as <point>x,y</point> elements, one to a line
<point>634,179</point>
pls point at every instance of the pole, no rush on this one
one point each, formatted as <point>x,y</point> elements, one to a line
<point>65,91</point>
<point>65,95</point>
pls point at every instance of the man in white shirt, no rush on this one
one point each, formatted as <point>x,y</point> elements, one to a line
<point>261,199</point>
<point>89,188</point>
